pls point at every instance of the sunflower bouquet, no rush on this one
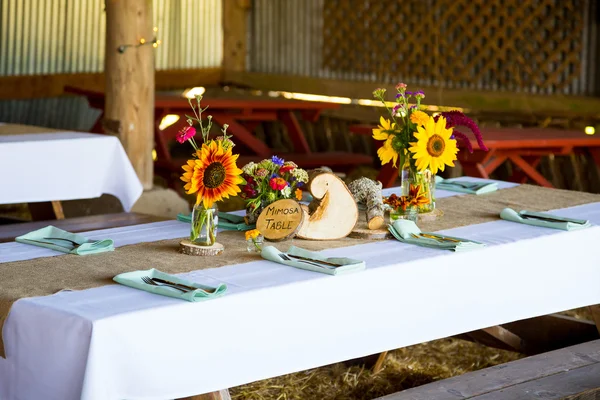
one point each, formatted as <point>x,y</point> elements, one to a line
<point>211,173</point>
<point>418,144</point>
<point>268,181</point>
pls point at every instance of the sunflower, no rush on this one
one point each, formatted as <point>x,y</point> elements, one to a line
<point>384,125</point>
<point>434,149</point>
<point>387,153</point>
<point>214,175</point>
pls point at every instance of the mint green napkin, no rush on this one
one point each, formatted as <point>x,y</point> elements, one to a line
<point>41,238</point>
<point>348,264</point>
<point>462,186</point>
<point>134,279</point>
<point>403,230</point>
<point>565,224</point>
<point>227,221</point>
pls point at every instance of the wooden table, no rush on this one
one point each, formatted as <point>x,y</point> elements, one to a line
<point>242,116</point>
<point>524,147</point>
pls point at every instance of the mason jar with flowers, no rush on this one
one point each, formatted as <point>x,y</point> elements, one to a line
<point>418,144</point>
<point>268,181</point>
<point>211,173</point>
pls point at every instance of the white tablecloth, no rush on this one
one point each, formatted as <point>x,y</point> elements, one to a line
<point>65,166</point>
<point>106,343</point>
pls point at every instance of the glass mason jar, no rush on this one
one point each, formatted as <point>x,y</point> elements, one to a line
<point>411,213</point>
<point>255,245</point>
<point>410,175</point>
<point>204,225</point>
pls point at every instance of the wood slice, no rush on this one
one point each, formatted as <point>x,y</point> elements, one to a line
<point>361,230</point>
<point>430,216</point>
<point>332,213</point>
<point>372,234</point>
<point>280,220</point>
<point>189,248</point>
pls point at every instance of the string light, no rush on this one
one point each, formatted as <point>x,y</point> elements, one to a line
<point>155,43</point>
<point>590,130</point>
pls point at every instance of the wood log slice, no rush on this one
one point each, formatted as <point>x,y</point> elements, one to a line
<point>191,249</point>
<point>333,212</point>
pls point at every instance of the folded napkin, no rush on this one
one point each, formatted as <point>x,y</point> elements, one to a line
<point>529,218</point>
<point>462,186</point>
<point>348,264</point>
<point>134,280</point>
<point>227,221</point>
<point>50,237</point>
<point>403,230</point>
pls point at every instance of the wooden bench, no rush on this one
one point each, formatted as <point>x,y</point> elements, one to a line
<point>9,232</point>
<point>569,373</point>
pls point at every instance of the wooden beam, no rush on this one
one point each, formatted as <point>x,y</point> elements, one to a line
<point>130,81</point>
<point>40,86</point>
<point>235,16</point>
<point>484,101</point>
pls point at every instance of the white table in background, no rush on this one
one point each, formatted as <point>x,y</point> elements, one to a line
<point>41,167</point>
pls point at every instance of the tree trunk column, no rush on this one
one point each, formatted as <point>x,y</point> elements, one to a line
<point>129,107</point>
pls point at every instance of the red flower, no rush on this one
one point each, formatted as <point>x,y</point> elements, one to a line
<point>186,134</point>
<point>278,183</point>
<point>286,168</point>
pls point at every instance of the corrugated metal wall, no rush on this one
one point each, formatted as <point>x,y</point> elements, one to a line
<point>286,37</point>
<point>67,36</point>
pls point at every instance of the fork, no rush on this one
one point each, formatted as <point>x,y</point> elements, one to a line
<point>149,281</point>
<point>287,258</point>
<point>74,243</point>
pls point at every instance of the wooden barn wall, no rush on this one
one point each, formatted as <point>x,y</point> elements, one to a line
<point>530,46</point>
<point>67,36</point>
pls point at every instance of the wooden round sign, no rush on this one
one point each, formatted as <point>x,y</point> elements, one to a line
<point>280,220</point>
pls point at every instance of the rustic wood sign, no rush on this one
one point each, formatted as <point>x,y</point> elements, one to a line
<point>280,220</point>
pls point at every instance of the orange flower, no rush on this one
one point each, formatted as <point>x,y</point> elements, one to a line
<point>298,194</point>
<point>417,196</point>
<point>214,175</point>
<point>252,234</point>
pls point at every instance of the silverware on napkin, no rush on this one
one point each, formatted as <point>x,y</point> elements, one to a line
<point>316,263</point>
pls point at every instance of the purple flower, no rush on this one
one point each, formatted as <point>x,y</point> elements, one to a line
<point>413,107</point>
<point>399,95</point>
<point>299,184</point>
<point>457,118</point>
<point>277,161</point>
<point>463,139</point>
<point>409,93</point>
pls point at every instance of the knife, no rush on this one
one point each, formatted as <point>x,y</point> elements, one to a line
<point>314,260</point>
<point>527,214</point>
<point>181,285</point>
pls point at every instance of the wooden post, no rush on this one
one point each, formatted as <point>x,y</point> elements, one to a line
<point>234,34</point>
<point>129,109</point>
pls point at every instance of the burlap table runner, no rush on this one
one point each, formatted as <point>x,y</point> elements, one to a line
<point>16,129</point>
<point>46,276</point>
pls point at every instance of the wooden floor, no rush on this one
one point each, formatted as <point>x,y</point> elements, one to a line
<point>80,224</point>
<point>570,373</point>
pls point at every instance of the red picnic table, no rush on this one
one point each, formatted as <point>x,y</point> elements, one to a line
<point>525,147</point>
<point>242,116</point>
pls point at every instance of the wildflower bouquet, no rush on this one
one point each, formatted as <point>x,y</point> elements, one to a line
<point>211,173</point>
<point>268,181</point>
<point>418,144</point>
